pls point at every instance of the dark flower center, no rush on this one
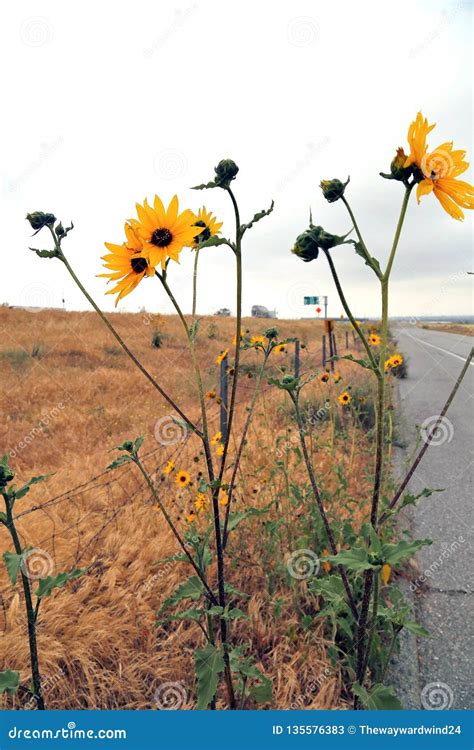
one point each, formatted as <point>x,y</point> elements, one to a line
<point>139,265</point>
<point>161,237</point>
<point>205,234</point>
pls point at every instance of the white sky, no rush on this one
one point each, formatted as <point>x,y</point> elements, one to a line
<point>105,103</point>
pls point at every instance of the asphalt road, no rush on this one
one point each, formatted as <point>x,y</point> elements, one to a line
<point>440,668</point>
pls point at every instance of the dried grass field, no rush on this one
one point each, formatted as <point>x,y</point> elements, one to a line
<point>68,396</point>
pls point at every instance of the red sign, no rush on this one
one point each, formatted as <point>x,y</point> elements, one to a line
<point>318,310</point>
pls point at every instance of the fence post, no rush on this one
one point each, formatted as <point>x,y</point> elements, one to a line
<point>353,337</point>
<point>334,343</point>
<point>324,350</point>
<point>223,394</point>
<point>347,339</point>
<point>297,358</point>
<point>331,350</point>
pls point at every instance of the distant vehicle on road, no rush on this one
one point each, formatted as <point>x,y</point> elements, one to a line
<point>259,311</point>
<point>224,312</point>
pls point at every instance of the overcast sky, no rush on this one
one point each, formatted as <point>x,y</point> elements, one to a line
<point>106,103</point>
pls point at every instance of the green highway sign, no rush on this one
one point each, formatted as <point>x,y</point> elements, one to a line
<point>311,300</point>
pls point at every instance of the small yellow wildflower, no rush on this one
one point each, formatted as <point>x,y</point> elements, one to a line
<point>344,398</point>
<point>220,450</point>
<point>211,394</point>
<point>190,517</point>
<point>337,376</point>
<point>223,498</point>
<point>221,357</point>
<point>182,478</point>
<point>201,502</point>
<point>386,573</point>
<point>374,339</point>
<point>170,465</point>
<point>326,564</point>
<point>216,439</point>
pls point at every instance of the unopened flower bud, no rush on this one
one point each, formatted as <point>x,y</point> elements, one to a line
<point>6,474</point>
<point>226,171</point>
<point>397,168</point>
<point>333,189</point>
<point>306,246</point>
<point>38,220</point>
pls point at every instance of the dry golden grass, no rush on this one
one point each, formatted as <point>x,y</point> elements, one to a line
<point>463,329</point>
<point>63,410</point>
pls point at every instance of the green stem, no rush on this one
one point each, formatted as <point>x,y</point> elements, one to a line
<point>122,343</point>
<point>361,241</point>
<point>319,502</point>
<point>370,638</point>
<point>30,611</point>
<point>215,495</point>
<point>348,310</point>
<point>174,529</point>
<point>241,446</point>
<point>196,259</point>
<point>398,231</point>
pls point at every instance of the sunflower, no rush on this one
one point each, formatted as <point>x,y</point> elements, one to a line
<point>164,233</point>
<point>234,340</point>
<point>258,341</point>
<point>223,498</point>
<point>209,227</point>
<point>395,361</point>
<point>182,478</point>
<point>127,262</point>
<point>200,502</point>
<point>220,450</point>
<point>324,377</point>
<point>221,357</point>
<point>326,564</point>
<point>337,376</point>
<point>439,170</point>
<point>170,466</point>
<point>211,395</point>
<point>344,398</point>
<point>216,439</point>
<point>280,349</point>
<point>386,573</point>
<point>191,517</point>
<point>374,339</point>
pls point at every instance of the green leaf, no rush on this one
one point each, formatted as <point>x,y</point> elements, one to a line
<point>234,614</point>
<point>262,693</point>
<point>47,585</point>
<point>12,563</point>
<point>190,589</point>
<point>9,681</point>
<point>45,253</point>
<point>18,494</point>
<point>395,553</point>
<point>362,362</point>
<point>215,241</point>
<point>138,444</point>
<point>209,663</point>
<point>205,186</point>
<point>3,518</point>
<point>229,589</point>
<point>416,629</point>
<point>355,559</point>
<point>369,259</point>
<point>379,698</point>
<point>215,610</point>
<point>120,461</point>
<point>256,217</point>
<point>241,515</point>
<point>189,614</point>
<point>410,499</point>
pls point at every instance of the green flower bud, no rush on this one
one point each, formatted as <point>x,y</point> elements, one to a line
<point>333,189</point>
<point>38,220</point>
<point>397,168</point>
<point>271,333</point>
<point>306,246</point>
<point>6,474</point>
<point>226,171</point>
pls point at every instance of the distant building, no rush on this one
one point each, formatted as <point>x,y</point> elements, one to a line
<point>259,311</point>
<point>224,312</point>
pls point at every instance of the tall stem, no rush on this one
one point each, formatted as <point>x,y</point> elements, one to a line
<point>30,611</point>
<point>361,241</point>
<point>348,310</point>
<point>319,503</point>
<point>124,346</point>
<point>195,273</point>
<point>175,531</point>
<point>240,449</point>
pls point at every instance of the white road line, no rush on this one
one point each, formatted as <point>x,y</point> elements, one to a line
<point>439,348</point>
